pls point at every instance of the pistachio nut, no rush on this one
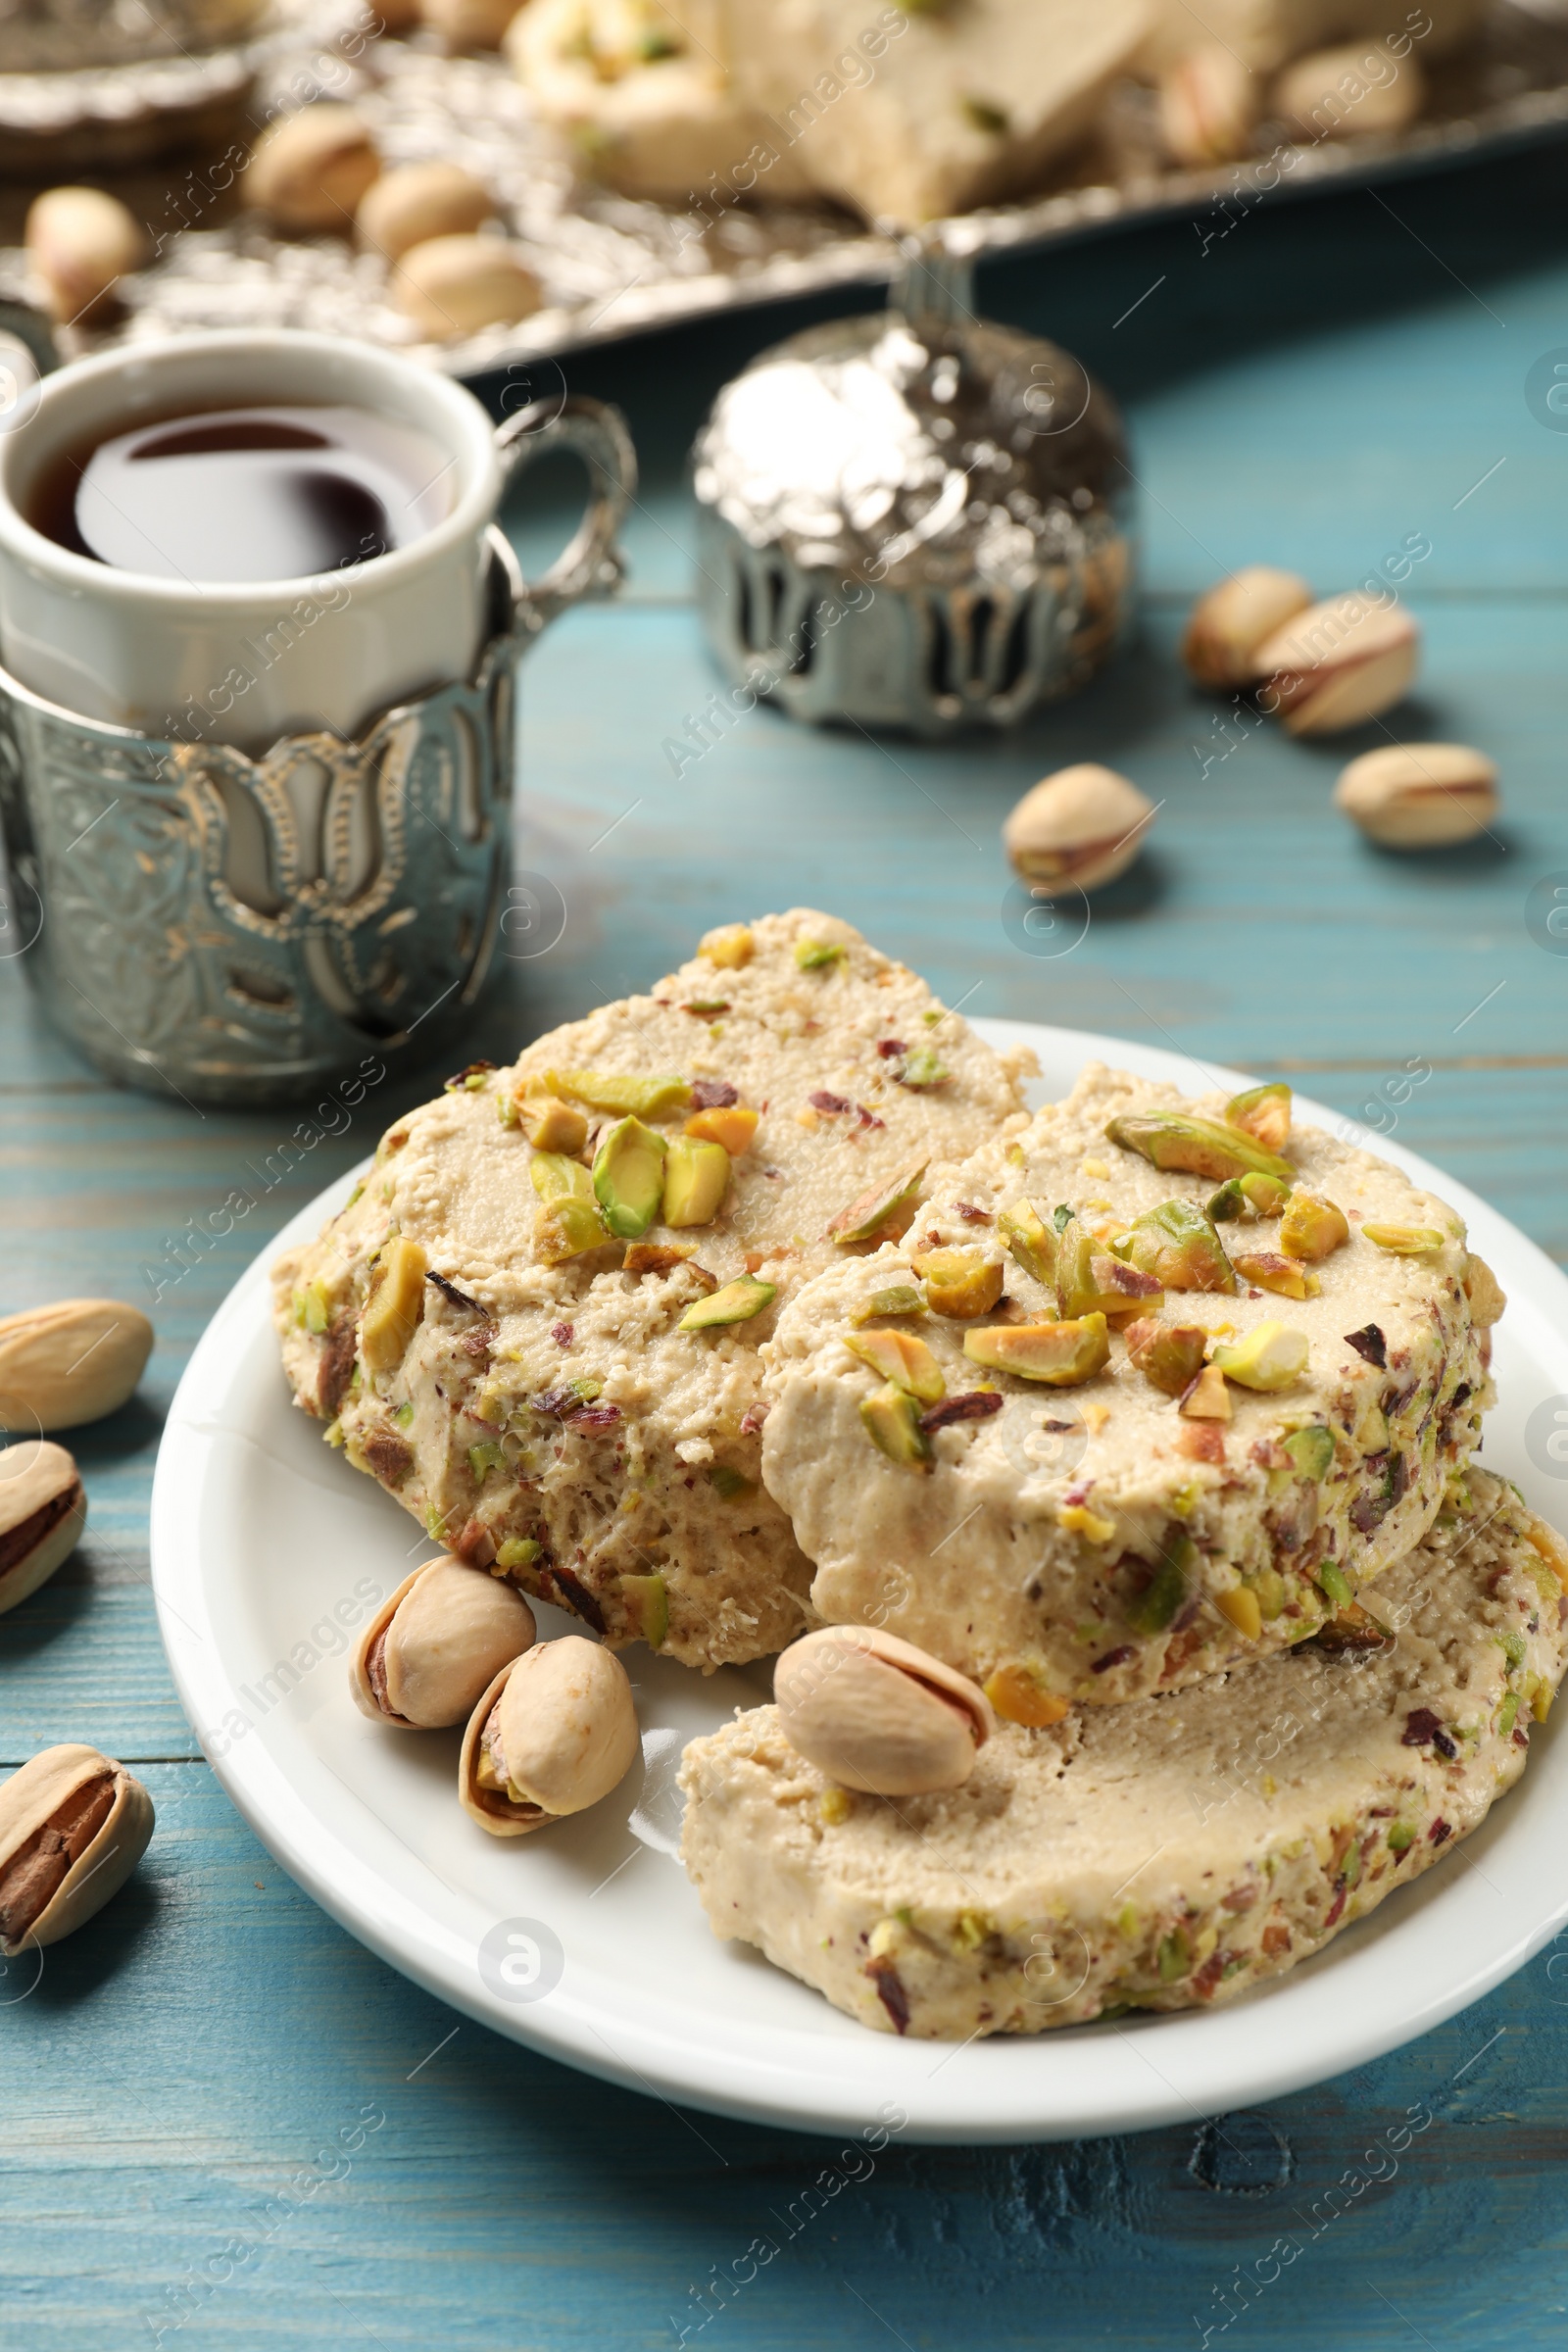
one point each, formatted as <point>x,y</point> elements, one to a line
<point>1077,829</point>
<point>452,286</point>
<point>73,1825</point>
<point>1419,796</point>
<point>1272,1356</point>
<point>1339,663</point>
<point>1172,1139</point>
<point>552,1125</point>
<point>1176,1244</point>
<point>880,1204</point>
<point>878,1715</point>
<point>311,171</point>
<point>1263,1113</point>
<point>1227,625</point>
<point>1312,1229</point>
<point>555,1732</point>
<point>737,1302</point>
<point>416,201</point>
<point>1268,1270</point>
<point>902,1358</point>
<point>72,1362</point>
<point>892,1421</point>
<point>731,947</point>
<point>1169,1356</point>
<point>1030,1240</point>
<point>696,1180</point>
<point>1021,1692</point>
<point>624,1097</point>
<point>395,1305</point>
<point>959,1282</point>
<point>429,1651</point>
<point>469,23</point>
<point>1207,1398</point>
<point>1209,106</point>
<point>43,1509</point>
<point>1063,1354</point>
<point>1359,90</point>
<point>628,1177</point>
<point>731,1125</point>
<point>82,243</point>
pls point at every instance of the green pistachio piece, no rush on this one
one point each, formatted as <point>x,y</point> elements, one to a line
<point>1312,1450</point>
<point>312,1308</point>
<point>1173,1139</point>
<point>1266,1194</point>
<point>696,1180</point>
<point>1031,1240</point>
<point>727,1483</point>
<point>1167,1588</point>
<point>1267,1270</point>
<point>645,1600</point>
<point>1263,1113</point>
<point>1401,1836</point>
<point>902,1358</point>
<point>1273,1356</point>
<point>902,1298</point>
<point>1404,1240</point>
<point>1505,1723</point>
<point>565,1228</point>
<point>1177,1244</point>
<point>737,1302</point>
<point>1269,1586</point>
<point>1169,1356</point>
<point>518,1552</point>
<point>923,1068</point>
<point>1059,1353</point>
<point>873,1208</point>
<point>555,1177</point>
<point>893,1423</point>
<point>1311,1229</point>
<point>627,1097</point>
<point>1175,1956</point>
<point>959,1282</point>
<point>485,1458</point>
<point>1333,1581</point>
<point>1228,1204</point>
<point>1091,1281</point>
<point>629,1178</point>
<point>815,955</point>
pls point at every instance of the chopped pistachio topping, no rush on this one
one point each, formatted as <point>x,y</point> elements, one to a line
<point>484,1459</point>
<point>727,1483</point>
<point>518,1552</point>
<point>645,1600</point>
<point>555,1177</point>
<point>1312,1229</point>
<point>733,1127</point>
<point>900,1298</point>
<point>1090,1281</point>
<point>902,1358</point>
<point>922,1068</point>
<point>1177,1244</point>
<point>1169,1356</point>
<point>565,1228</point>
<point>1059,1353</point>
<point>893,1423</point>
<point>959,1282</point>
<point>1173,1139</point>
<point>549,1124</point>
<point>1334,1582</point>
<point>1031,1240</point>
<point>696,1180</point>
<point>1242,1608</point>
<point>1020,1693</point>
<point>1404,1240</point>
<point>816,955</point>
<point>1167,1588</point>
<point>1312,1450</point>
<point>736,1302</point>
<point>1273,1356</point>
<point>872,1208</point>
<point>395,1306</point>
<point>1209,1399</point>
<point>626,1097</point>
<point>1269,1271</point>
<point>730,947</point>
<point>1263,1113</point>
<point>629,1178</point>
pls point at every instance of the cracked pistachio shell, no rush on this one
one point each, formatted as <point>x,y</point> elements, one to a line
<point>70,1362</point>
<point>1419,796</point>
<point>43,1510</point>
<point>878,1714</point>
<point>1077,829</point>
<point>568,1728</point>
<point>111,1815</point>
<point>1227,625</point>
<point>437,1644</point>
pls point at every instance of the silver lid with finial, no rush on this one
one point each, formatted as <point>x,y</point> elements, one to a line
<point>913,519</point>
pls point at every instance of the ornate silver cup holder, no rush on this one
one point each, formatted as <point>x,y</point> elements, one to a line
<point>234,929</point>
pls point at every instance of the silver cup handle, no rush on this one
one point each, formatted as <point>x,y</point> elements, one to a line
<point>591,565</point>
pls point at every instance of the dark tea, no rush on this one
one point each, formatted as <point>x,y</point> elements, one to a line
<point>264,493</point>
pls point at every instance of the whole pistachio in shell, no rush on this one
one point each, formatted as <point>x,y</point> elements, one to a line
<point>43,1510</point>
<point>1419,796</point>
<point>1077,829</point>
<point>1358,91</point>
<point>455,285</point>
<point>1227,624</point>
<point>1209,102</point>
<point>1339,663</point>
<point>73,1825</point>
<point>878,1714</point>
<point>309,172</point>
<point>556,1731</point>
<point>438,1643</point>
<point>416,201</point>
<point>82,243</point>
<point>72,1362</point>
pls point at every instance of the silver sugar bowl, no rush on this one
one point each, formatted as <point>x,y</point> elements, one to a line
<point>915,520</point>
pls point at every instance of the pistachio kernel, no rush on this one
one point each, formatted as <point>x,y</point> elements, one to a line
<point>1061,1354</point>
<point>1312,1229</point>
<point>1404,1240</point>
<point>959,1282</point>
<point>1263,1113</point>
<point>892,1420</point>
<point>737,1302</point>
<point>696,1180</point>
<point>902,1358</point>
<point>1169,1356</point>
<point>623,1096</point>
<point>1176,1140</point>
<point>395,1305</point>
<point>1273,1356</point>
<point>628,1177</point>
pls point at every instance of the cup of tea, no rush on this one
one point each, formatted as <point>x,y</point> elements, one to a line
<point>257,632</point>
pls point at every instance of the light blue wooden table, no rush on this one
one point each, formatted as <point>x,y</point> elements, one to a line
<point>222,2123</point>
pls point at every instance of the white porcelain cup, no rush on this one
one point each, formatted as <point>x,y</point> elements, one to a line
<point>248,662</point>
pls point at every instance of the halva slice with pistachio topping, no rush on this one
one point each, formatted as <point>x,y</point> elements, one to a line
<point>1223,1367</point>
<point>538,1323</point>
<point>1168,1855</point>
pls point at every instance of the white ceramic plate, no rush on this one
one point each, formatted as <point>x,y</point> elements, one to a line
<point>587,1942</point>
